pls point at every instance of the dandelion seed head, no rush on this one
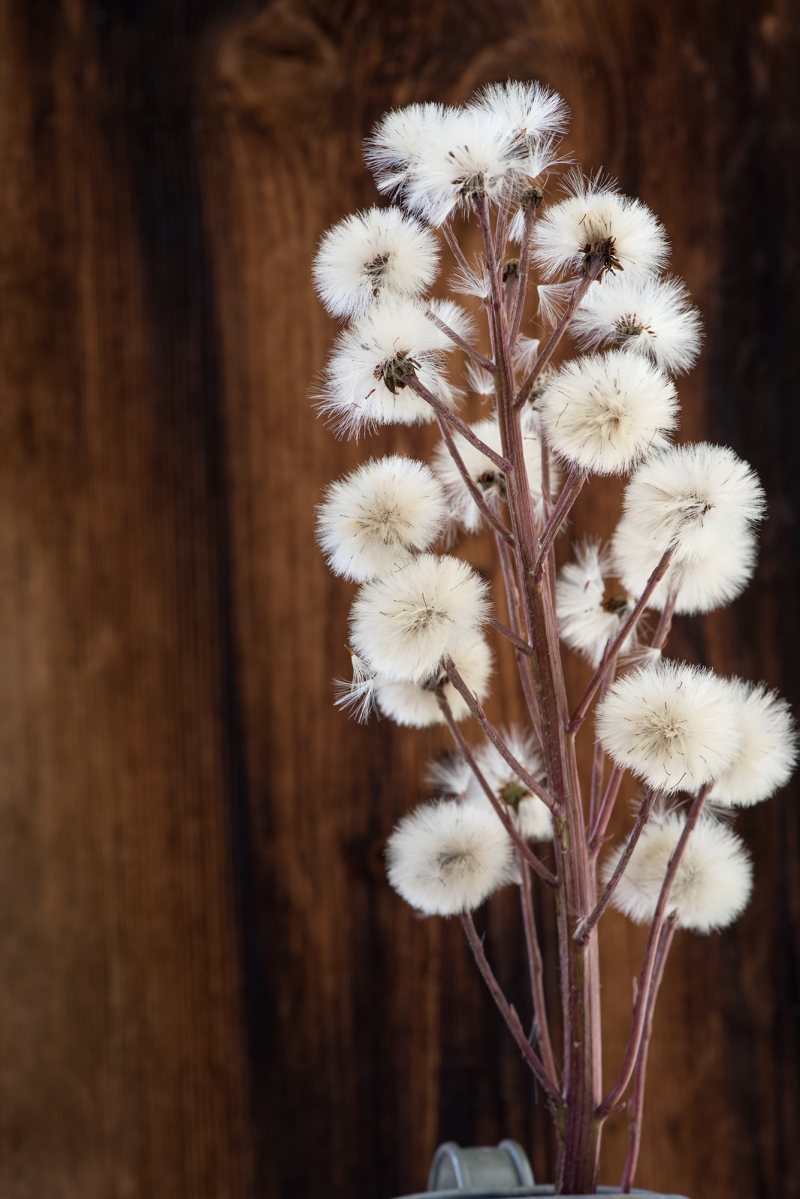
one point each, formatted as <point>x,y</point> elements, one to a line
<point>365,378</point>
<point>446,858</point>
<point>382,251</point>
<point>645,314</point>
<point>404,623</point>
<point>595,219</point>
<point>672,725</point>
<point>378,516</point>
<point>605,412</point>
<point>529,813</point>
<point>767,753</point>
<point>416,705</point>
<point>713,882</point>
<point>693,497</point>
<point>588,618</point>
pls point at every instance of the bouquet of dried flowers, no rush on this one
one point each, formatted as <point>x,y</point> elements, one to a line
<point>512,810</point>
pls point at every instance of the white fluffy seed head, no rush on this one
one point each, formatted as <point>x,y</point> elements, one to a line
<point>645,314</point>
<point>701,584</point>
<point>530,814</point>
<point>672,725</point>
<point>605,412</point>
<point>484,473</point>
<point>447,858</point>
<point>394,145</point>
<point>415,705</point>
<point>466,155</point>
<point>767,752</point>
<point>364,378</point>
<point>382,251</point>
<point>712,884</point>
<point>588,618</point>
<point>378,516</point>
<point>526,111</point>
<point>449,776</point>
<point>693,496</point>
<point>406,622</point>
<point>597,219</point>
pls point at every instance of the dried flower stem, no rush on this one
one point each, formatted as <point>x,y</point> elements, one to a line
<point>636,1101</point>
<point>593,271</point>
<point>584,930</point>
<point>482,504</point>
<point>461,342</point>
<point>501,809</point>
<point>455,248</point>
<point>523,275</point>
<point>579,1146</point>
<point>647,973</point>
<point>508,1012</point>
<point>613,648</point>
<point>566,498</point>
<point>511,636</point>
<point>523,660</point>
<point>606,808</point>
<point>476,708</point>
<point>455,421</point>
<point>541,1027</point>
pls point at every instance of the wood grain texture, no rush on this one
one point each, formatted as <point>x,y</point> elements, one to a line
<point>207,988</point>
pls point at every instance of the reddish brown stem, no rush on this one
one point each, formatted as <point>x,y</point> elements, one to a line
<point>613,647</point>
<point>647,973</point>
<point>584,930</point>
<point>579,1144</point>
<point>479,499</point>
<point>510,635</point>
<point>455,422</point>
<point>501,809</point>
<point>636,1101</point>
<point>461,342</point>
<point>508,1011</point>
<point>606,808</point>
<point>551,345</point>
<point>541,1027</point>
<point>476,708</point>
<point>523,274</point>
<point>563,505</point>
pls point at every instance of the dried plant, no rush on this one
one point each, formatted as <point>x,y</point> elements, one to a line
<point>513,811</point>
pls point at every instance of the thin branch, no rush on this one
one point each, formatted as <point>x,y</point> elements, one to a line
<point>598,769</point>
<point>455,248</point>
<point>481,503</point>
<point>606,808</point>
<point>664,622</point>
<point>523,274</point>
<point>501,809</point>
<point>636,1101</point>
<point>647,972</point>
<point>552,343</point>
<point>507,1011</point>
<point>541,1027</point>
<point>475,707</point>
<point>523,661</point>
<point>566,498</point>
<point>584,929</point>
<point>511,636</point>
<point>455,422</point>
<point>613,647</point>
<point>461,342</point>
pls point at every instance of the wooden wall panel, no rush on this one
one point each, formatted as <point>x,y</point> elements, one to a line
<point>207,988</point>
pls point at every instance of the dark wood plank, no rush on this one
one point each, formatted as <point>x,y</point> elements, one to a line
<point>207,987</point>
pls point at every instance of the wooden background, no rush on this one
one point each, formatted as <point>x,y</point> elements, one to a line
<point>206,988</point>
